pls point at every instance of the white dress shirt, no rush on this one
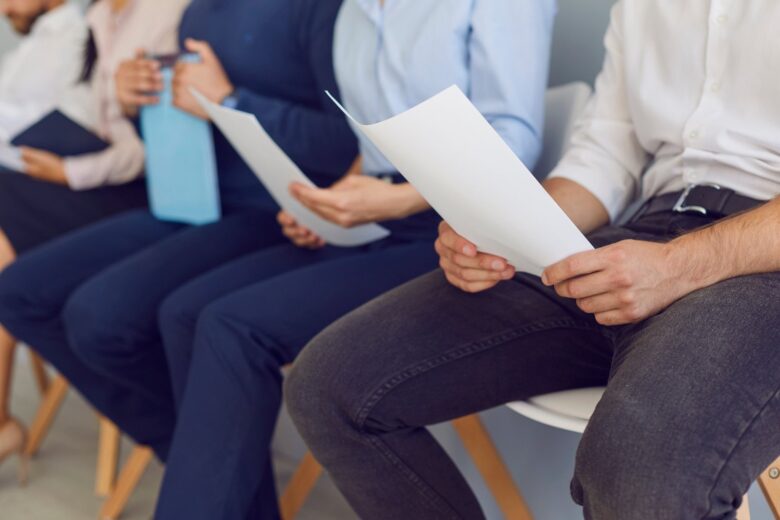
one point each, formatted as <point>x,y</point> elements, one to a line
<point>689,94</point>
<point>46,63</point>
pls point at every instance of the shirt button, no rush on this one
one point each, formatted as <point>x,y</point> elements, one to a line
<point>715,87</point>
<point>694,134</point>
<point>722,19</point>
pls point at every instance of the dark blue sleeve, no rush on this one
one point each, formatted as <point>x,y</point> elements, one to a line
<point>318,138</point>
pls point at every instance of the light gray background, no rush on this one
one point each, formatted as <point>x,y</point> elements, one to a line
<point>540,458</point>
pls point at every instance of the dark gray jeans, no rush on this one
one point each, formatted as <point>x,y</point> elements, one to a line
<point>690,418</point>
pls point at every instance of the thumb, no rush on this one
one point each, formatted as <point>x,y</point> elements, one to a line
<point>201,48</point>
<point>140,53</point>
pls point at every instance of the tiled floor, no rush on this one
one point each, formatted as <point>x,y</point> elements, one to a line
<point>62,476</point>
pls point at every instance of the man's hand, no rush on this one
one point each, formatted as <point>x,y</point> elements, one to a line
<point>465,267</point>
<point>360,199</point>
<point>622,283</point>
<point>138,81</point>
<point>208,77</point>
<point>299,235</point>
<point>44,165</point>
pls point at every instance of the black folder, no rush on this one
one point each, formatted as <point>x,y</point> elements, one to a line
<point>60,135</point>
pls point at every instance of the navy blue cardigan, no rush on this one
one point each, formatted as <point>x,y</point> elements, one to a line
<point>279,55</point>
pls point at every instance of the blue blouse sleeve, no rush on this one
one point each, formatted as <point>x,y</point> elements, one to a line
<point>318,138</point>
<point>510,53</point>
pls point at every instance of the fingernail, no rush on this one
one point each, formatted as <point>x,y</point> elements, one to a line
<point>469,250</point>
<point>544,279</point>
<point>509,273</point>
<point>497,265</point>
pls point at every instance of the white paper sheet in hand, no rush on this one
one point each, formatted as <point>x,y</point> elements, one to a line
<point>277,171</point>
<point>471,177</point>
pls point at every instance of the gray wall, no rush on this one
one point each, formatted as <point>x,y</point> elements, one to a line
<point>541,458</point>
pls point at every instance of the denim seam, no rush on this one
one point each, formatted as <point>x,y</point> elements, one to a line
<point>425,366</point>
<point>459,353</point>
<point>746,431</point>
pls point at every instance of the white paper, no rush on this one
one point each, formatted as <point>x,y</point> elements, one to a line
<point>11,158</point>
<point>471,177</point>
<point>277,171</point>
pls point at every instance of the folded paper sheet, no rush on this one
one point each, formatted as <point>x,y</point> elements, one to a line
<point>277,171</point>
<point>471,177</point>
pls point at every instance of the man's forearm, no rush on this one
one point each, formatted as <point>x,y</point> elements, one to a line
<point>582,207</point>
<point>738,246</point>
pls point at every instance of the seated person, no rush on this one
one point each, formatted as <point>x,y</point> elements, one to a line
<point>677,312</point>
<point>56,195</point>
<point>97,291</point>
<point>228,333</point>
<point>46,62</point>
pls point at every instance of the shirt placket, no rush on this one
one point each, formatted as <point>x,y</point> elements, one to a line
<point>700,129</point>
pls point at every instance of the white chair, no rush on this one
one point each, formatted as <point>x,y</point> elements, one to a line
<point>563,106</point>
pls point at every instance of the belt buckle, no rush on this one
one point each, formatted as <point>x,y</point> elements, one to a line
<point>681,207</point>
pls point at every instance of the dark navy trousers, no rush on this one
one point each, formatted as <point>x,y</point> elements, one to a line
<point>87,302</point>
<point>150,320</point>
<point>227,337</point>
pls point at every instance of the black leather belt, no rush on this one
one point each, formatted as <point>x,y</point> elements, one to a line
<point>707,200</point>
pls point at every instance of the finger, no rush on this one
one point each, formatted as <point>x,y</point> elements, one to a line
<point>573,266</point>
<point>317,196</point>
<point>588,285</point>
<point>613,318</point>
<point>33,154</point>
<point>455,242</point>
<point>200,47</point>
<point>470,287</point>
<point>285,219</point>
<point>140,100</point>
<point>599,304</point>
<point>140,53</point>
<point>471,275</point>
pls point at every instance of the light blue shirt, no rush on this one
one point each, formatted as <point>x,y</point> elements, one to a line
<point>389,59</point>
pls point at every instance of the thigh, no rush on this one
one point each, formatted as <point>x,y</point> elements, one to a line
<point>45,277</point>
<point>285,311</point>
<point>130,291</point>
<point>697,387</point>
<point>427,352</point>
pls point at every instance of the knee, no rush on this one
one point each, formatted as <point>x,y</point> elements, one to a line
<point>92,328</point>
<point>320,391</point>
<point>635,462</point>
<point>178,319</point>
<point>21,298</point>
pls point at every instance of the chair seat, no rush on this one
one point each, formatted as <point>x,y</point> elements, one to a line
<point>569,410</point>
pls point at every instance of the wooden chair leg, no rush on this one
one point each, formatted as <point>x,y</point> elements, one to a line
<point>744,510</point>
<point>486,457</point>
<point>128,480</point>
<point>108,457</point>
<point>299,487</point>
<point>770,485</point>
<point>46,413</point>
<point>39,372</point>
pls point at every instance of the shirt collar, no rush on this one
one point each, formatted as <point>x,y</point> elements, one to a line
<point>58,19</point>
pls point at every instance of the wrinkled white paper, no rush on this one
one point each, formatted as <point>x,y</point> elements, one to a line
<point>277,171</point>
<point>471,177</point>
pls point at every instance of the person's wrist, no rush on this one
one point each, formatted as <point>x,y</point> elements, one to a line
<point>690,268</point>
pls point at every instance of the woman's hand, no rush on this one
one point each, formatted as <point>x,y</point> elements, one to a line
<point>138,82</point>
<point>360,199</point>
<point>299,235</point>
<point>465,267</point>
<point>208,77</point>
<point>44,165</point>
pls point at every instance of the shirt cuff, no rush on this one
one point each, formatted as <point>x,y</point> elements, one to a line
<point>613,189</point>
<point>79,174</point>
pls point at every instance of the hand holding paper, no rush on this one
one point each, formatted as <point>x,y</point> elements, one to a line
<point>471,177</point>
<point>277,172</point>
